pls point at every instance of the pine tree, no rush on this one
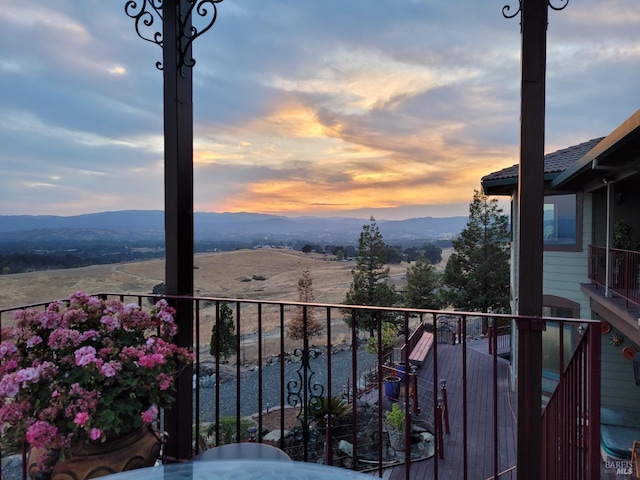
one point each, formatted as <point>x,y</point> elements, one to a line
<point>423,284</point>
<point>296,326</point>
<point>477,273</point>
<point>228,337</point>
<point>371,283</point>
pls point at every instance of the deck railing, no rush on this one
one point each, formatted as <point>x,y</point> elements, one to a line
<point>571,419</point>
<point>270,370</point>
<point>624,271</point>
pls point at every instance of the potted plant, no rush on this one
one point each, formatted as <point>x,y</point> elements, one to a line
<point>392,387</point>
<point>319,409</point>
<point>395,422</point>
<point>83,373</point>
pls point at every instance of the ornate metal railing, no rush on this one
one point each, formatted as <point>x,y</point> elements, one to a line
<point>623,277</point>
<point>277,383</point>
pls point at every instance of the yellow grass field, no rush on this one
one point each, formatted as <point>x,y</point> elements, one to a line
<point>222,274</point>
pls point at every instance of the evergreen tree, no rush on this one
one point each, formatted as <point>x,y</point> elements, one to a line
<point>228,337</point>
<point>477,273</point>
<point>296,326</point>
<point>423,284</point>
<point>371,283</point>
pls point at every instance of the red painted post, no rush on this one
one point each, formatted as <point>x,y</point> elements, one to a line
<point>440,445</point>
<point>490,337</point>
<point>328,444</point>
<point>445,405</point>
<point>414,390</point>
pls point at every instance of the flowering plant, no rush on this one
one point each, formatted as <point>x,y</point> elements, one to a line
<point>87,370</point>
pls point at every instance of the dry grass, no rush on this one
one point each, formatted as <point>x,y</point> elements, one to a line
<point>225,274</point>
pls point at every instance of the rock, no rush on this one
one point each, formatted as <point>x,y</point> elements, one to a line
<point>346,447</point>
<point>428,443</point>
<point>274,435</point>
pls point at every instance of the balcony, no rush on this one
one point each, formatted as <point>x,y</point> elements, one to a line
<point>620,275</point>
<point>459,402</point>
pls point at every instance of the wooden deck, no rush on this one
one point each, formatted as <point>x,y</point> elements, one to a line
<point>480,419</point>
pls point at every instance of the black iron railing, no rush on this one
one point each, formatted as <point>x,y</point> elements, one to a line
<point>466,434</point>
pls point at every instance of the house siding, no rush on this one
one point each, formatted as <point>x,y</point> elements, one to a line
<point>618,386</point>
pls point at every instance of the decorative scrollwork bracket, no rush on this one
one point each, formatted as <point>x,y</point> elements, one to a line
<point>506,10</point>
<point>304,391</point>
<point>148,15</point>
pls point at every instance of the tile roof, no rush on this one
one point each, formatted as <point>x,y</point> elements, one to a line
<point>554,162</point>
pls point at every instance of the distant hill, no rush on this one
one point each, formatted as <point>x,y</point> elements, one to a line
<point>148,225</point>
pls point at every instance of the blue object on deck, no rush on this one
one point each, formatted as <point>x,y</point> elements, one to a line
<point>618,429</point>
<point>392,387</point>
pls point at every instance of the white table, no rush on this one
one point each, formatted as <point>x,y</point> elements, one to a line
<point>240,469</point>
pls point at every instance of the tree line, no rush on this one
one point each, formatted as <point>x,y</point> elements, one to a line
<point>475,279</point>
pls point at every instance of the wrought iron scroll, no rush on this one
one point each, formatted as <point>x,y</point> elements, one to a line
<point>561,6</point>
<point>148,14</point>
<point>207,10</point>
<point>506,10</point>
<point>304,391</point>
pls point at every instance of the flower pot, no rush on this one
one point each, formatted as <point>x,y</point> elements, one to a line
<point>392,387</point>
<point>134,450</point>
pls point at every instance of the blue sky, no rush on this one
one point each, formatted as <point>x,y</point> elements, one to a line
<point>341,107</point>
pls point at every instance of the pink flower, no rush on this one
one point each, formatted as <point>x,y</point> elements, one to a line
<point>150,361</point>
<point>110,369</point>
<point>7,349</point>
<point>111,322</point>
<point>149,415</point>
<point>85,356</point>
<point>33,341</point>
<point>164,381</point>
<point>40,434</point>
<point>27,375</point>
<point>8,386</point>
<point>89,335</point>
<point>81,419</point>
<point>60,368</point>
<point>63,338</point>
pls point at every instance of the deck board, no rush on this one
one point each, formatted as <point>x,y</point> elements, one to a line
<point>480,426</point>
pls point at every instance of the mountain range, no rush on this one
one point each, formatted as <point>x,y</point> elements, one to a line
<point>148,225</point>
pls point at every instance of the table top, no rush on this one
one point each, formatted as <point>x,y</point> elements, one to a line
<point>239,469</point>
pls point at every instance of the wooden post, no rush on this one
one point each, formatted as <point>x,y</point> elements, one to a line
<point>178,152</point>
<point>530,203</point>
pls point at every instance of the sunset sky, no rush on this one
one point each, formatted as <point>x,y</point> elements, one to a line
<point>302,107</point>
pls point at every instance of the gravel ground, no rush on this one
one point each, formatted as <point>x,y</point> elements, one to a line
<point>340,374</point>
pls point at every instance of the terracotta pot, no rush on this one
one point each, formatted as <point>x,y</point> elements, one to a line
<point>135,450</point>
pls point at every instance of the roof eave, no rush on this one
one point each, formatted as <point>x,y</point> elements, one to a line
<point>507,186</point>
<point>627,129</point>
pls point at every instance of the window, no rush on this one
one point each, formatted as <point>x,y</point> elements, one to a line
<point>561,220</point>
<point>561,308</point>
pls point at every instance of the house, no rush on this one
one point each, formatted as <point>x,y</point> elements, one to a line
<point>591,266</point>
